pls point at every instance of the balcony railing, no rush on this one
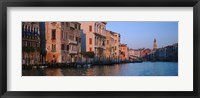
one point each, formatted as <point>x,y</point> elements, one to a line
<point>72,41</point>
<point>100,34</point>
<point>73,51</point>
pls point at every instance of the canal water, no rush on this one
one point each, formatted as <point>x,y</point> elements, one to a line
<point>128,69</point>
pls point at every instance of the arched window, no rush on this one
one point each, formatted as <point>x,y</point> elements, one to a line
<point>35,30</point>
<point>97,28</point>
<point>29,28</point>
<point>38,31</point>
<point>26,29</point>
<point>32,29</point>
<point>90,28</point>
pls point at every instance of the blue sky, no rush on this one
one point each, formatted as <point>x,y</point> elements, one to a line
<point>141,34</point>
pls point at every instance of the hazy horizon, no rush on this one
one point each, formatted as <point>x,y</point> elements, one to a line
<point>141,34</point>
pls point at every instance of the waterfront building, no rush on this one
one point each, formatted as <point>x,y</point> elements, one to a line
<point>72,29</point>
<point>167,53</point>
<point>30,43</point>
<point>161,53</point>
<point>53,42</point>
<point>110,44</point>
<point>95,33</point>
<point>172,52</point>
<point>137,53</point>
<point>131,54</point>
<point>124,52</point>
<point>62,42</point>
<point>117,50</point>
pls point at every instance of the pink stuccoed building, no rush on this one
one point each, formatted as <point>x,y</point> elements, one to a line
<point>124,55</point>
<point>117,50</point>
<point>53,42</point>
<point>95,37</point>
<point>110,44</point>
<point>62,42</point>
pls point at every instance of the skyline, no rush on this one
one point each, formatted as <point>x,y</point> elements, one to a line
<point>141,34</point>
<point>89,49</point>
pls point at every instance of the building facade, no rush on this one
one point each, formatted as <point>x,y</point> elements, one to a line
<point>74,40</point>
<point>131,52</point>
<point>30,43</point>
<point>53,42</point>
<point>62,42</point>
<point>124,52</point>
<point>110,44</point>
<point>137,53</point>
<point>117,50</point>
<point>167,53</point>
<point>95,33</point>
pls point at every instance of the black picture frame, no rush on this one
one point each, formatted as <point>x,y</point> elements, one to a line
<point>100,3</point>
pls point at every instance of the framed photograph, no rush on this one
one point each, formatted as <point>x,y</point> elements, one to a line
<point>131,48</point>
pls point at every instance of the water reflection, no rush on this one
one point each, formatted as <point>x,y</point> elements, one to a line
<point>54,72</point>
<point>129,69</point>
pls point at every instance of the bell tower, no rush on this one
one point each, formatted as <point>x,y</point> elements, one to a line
<point>154,44</point>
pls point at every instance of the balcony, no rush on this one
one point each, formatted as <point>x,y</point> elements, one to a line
<point>72,41</point>
<point>100,34</point>
<point>72,25</point>
<point>73,51</point>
